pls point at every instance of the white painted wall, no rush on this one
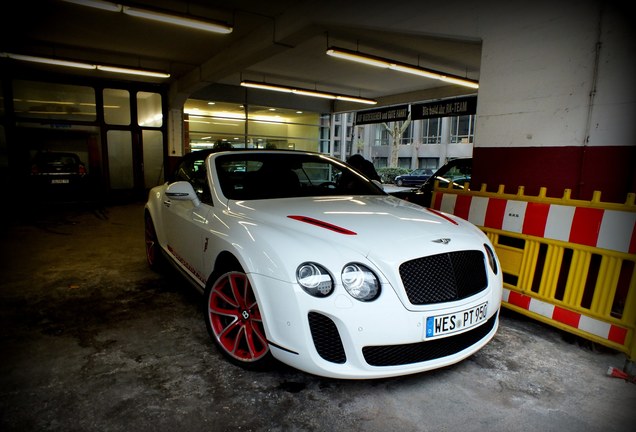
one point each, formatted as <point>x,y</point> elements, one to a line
<point>538,71</point>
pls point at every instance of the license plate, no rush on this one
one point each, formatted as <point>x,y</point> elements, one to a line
<point>441,325</point>
<point>59,181</point>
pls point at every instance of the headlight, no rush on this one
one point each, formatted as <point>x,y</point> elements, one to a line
<point>360,282</point>
<point>314,279</point>
<point>492,259</point>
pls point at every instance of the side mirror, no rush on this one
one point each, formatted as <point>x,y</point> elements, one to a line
<point>182,191</point>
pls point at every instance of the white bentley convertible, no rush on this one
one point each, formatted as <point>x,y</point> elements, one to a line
<point>304,260</point>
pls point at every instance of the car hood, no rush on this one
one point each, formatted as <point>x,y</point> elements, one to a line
<point>382,228</point>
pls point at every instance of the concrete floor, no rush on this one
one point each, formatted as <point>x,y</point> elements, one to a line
<point>92,340</point>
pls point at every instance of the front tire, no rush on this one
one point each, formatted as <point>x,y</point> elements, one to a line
<point>234,321</point>
<point>154,255</point>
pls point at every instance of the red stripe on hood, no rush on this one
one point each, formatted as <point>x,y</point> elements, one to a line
<point>322,224</point>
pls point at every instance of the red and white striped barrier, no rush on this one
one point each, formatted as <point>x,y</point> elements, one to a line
<point>607,229</point>
<point>601,329</point>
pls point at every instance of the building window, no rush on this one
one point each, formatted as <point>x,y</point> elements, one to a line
<point>407,135</point>
<point>51,101</point>
<point>462,129</point>
<point>432,131</point>
<point>152,150</point>
<point>404,162</point>
<point>211,123</point>
<point>381,135</point>
<point>429,163</point>
<point>149,112</point>
<point>116,107</point>
<point>325,139</point>
<point>120,159</point>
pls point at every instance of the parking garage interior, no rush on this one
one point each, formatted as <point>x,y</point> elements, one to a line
<point>555,102</point>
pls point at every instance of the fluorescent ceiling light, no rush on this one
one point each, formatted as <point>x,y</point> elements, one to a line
<point>56,62</point>
<point>133,71</point>
<point>306,92</point>
<point>80,65</point>
<point>98,4</point>
<point>352,56</point>
<point>400,67</point>
<point>264,86</point>
<point>178,20</point>
<point>168,18</point>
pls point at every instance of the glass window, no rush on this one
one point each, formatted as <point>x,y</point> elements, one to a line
<point>120,159</point>
<point>404,162</point>
<point>407,135</point>
<point>116,107</point>
<point>432,131</point>
<point>193,170</point>
<point>266,175</point>
<point>462,129</point>
<point>382,136</point>
<point>149,113</point>
<point>428,163</point>
<point>325,139</point>
<point>52,101</point>
<point>153,157</point>
<point>213,123</point>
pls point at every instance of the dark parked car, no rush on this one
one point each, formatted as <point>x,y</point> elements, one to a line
<point>457,171</point>
<point>53,170</point>
<point>414,178</point>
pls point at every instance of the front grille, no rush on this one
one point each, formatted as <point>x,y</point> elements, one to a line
<point>326,338</point>
<point>444,277</point>
<point>393,355</point>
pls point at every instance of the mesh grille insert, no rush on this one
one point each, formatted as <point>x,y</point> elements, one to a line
<point>444,277</point>
<point>326,338</point>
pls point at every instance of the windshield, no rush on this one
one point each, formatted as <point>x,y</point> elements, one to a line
<point>262,175</point>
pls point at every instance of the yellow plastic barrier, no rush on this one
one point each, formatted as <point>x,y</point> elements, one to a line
<point>569,263</point>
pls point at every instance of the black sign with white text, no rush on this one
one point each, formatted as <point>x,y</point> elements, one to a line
<point>382,115</point>
<point>446,108</point>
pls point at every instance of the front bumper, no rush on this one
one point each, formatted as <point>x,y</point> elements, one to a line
<point>340,337</point>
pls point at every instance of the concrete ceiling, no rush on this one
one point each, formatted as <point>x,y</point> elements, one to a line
<point>278,41</point>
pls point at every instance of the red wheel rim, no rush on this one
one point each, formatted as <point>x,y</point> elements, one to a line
<point>236,319</point>
<point>151,242</point>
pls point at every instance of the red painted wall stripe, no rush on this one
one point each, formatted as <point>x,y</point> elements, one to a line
<point>586,225</point>
<point>536,218</point>
<point>495,213</point>
<point>566,317</point>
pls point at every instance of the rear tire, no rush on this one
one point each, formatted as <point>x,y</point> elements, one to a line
<point>234,322</point>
